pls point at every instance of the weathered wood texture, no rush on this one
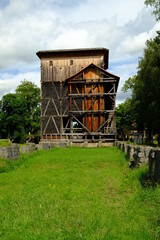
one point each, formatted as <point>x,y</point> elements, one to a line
<point>78,97</point>
<point>55,69</point>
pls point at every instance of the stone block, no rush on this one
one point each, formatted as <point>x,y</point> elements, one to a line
<point>154,165</point>
<point>45,145</point>
<point>31,147</point>
<point>11,152</point>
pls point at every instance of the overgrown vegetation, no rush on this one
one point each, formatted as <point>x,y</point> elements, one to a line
<point>77,193</point>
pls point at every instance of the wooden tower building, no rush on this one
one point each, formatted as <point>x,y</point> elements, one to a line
<point>77,95</point>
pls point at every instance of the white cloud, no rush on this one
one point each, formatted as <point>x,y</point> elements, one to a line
<point>9,82</point>
<point>122,10</point>
<point>29,26</point>
<point>134,45</point>
<point>124,71</point>
<point>70,38</point>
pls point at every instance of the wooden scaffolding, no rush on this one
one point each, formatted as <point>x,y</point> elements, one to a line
<point>77,96</point>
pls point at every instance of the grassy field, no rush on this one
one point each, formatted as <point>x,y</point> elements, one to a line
<point>76,193</point>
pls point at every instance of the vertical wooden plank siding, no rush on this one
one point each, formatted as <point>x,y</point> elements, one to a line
<point>64,66</point>
<point>87,102</point>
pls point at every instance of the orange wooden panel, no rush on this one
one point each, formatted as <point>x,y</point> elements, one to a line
<point>92,122</point>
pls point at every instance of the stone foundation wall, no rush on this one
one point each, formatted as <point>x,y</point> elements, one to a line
<point>142,155</point>
<point>65,143</point>
<point>28,148</point>
<point>31,147</point>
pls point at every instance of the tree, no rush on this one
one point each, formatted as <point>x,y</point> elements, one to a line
<point>30,94</point>
<point>145,87</point>
<point>12,117</point>
<point>156,5</point>
<point>20,112</point>
<point>125,119</point>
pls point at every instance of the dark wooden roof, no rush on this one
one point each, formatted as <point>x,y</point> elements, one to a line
<point>76,52</point>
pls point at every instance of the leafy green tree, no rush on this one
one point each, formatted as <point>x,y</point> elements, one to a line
<point>125,119</point>
<point>30,94</point>
<point>145,87</point>
<point>20,112</point>
<point>12,117</point>
<point>156,5</point>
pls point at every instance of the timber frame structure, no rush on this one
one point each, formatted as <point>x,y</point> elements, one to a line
<point>77,96</point>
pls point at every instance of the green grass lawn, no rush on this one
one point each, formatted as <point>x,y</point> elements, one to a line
<point>76,193</point>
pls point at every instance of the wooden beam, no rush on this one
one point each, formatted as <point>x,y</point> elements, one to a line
<point>93,79</point>
<point>65,93</point>
<point>55,89</point>
<point>76,105</point>
<point>55,106</point>
<point>66,108</point>
<point>90,95</point>
<point>93,111</point>
<point>102,125</point>
<point>76,89</point>
<point>55,124</point>
<point>99,106</point>
<point>80,123</point>
<point>61,106</point>
<point>47,106</point>
<point>46,125</point>
<point>85,108</point>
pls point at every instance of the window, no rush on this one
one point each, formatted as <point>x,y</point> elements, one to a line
<point>71,62</point>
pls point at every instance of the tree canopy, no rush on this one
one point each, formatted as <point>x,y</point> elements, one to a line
<point>156,5</point>
<point>125,119</point>
<point>145,87</point>
<point>20,112</point>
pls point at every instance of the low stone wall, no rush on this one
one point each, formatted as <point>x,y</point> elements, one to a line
<point>138,155</point>
<point>45,145</point>
<point>10,152</point>
<point>31,147</point>
<point>154,165</point>
<point>28,148</point>
<point>13,152</point>
<point>142,155</point>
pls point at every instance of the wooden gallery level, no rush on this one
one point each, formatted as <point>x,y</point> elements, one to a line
<point>77,95</point>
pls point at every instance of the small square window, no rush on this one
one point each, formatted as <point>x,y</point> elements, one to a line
<point>71,62</point>
<point>50,63</point>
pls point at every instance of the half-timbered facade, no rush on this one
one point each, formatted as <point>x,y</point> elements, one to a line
<point>77,95</point>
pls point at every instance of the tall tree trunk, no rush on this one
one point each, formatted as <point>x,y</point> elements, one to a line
<point>158,139</point>
<point>149,136</point>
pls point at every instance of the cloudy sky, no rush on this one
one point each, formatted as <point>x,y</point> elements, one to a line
<point>27,26</point>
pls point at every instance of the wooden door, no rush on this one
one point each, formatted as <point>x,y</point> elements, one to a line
<point>92,104</point>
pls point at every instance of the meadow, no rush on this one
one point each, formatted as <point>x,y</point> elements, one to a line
<point>77,193</point>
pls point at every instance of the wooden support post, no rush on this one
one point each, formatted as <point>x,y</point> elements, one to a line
<point>61,113</point>
<point>92,138</point>
<point>99,99</point>
<point>85,103</point>
<point>71,127</point>
<point>92,109</point>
